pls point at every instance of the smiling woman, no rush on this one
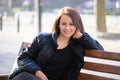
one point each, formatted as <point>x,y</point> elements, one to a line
<point>58,55</point>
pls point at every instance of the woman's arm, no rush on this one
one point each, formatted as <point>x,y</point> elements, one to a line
<point>26,59</point>
<point>89,43</point>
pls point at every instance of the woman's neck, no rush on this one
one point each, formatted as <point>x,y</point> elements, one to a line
<point>62,42</point>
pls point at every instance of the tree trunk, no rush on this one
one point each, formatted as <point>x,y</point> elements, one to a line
<point>100,15</point>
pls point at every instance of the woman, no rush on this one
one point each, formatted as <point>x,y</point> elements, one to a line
<point>58,55</point>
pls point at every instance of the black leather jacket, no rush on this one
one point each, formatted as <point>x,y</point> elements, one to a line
<point>42,48</point>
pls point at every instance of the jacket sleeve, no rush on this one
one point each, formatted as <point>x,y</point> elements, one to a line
<point>89,43</point>
<point>26,60</point>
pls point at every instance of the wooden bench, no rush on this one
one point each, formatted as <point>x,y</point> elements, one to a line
<point>99,65</point>
<point>104,65</point>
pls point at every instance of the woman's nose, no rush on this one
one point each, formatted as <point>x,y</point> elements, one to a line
<point>68,26</point>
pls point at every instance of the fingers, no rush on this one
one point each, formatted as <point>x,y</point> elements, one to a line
<point>41,75</point>
<point>77,34</point>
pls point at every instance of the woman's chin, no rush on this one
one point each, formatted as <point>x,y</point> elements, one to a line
<point>67,36</point>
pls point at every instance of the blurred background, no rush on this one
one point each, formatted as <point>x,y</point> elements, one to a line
<point>10,7</point>
<point>22,20</point>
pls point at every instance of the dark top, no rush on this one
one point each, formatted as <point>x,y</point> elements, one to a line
<point>58,63</point>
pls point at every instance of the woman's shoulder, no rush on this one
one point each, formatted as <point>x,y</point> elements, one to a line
<point>44,35</point>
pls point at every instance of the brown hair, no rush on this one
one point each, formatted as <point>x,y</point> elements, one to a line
<point>75,16</point>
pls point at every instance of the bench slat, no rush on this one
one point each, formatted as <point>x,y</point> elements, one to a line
<point>3,76</point>
<point>102,67</point>
<point>103,54</point>
<point>84,76</point>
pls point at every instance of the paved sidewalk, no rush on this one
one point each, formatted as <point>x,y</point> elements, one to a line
<point>10,42</point>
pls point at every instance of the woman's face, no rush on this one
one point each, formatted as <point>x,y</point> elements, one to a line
<point>67,27</point>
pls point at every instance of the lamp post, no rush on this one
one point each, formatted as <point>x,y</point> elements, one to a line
<point>1,22</point>
<point>39,15</point>
<point>38,9</point>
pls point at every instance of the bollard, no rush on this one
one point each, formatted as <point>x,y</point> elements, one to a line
<point>0,22</point>
<point>18,24</point>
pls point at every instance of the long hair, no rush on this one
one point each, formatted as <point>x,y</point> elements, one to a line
<point>73,14</point>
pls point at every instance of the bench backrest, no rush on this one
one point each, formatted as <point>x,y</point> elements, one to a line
<point>99,65</point>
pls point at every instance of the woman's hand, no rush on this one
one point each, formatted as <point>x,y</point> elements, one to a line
<point>41,75</point>
<point>77,34</point>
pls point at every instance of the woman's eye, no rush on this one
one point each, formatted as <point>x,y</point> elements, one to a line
<point>63,23</point>
<point>71,24</point>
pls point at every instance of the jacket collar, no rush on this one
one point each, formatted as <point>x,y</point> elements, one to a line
<point>54,38</point>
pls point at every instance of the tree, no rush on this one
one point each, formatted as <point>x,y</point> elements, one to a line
<point>100,15</point>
